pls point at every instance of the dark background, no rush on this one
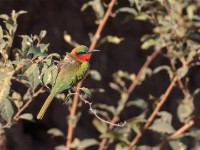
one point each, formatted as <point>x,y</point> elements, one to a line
<point>57,16</point>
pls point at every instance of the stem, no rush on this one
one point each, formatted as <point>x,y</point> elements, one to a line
<point>130,90</point>
<point>75,99</point>
<point>16,117</point>
<point>178,132</point>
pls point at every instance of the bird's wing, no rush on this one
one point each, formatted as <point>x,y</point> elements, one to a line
<point>67,61</point>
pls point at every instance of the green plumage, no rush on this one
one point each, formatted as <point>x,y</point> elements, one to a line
<point>71,71</point>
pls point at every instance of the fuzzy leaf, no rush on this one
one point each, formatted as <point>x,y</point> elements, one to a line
<point>185,110</point>
<point>163,124</point>
<point>26,116</point>
<point>106,107</point>
<point>138,103</point>
<point>100,126</point>
<point>164,67</point>
<point>6,110</point>
<point>114,86</point>
<point>50,75</point>
<point>33,75</point>
<point>127,10</point>
<point>53,55</point>
<point>55,132</point>
<point>111,39</point>
<point>86,143</point>
<point>86,91</point>
<point>1,33</point>
<point>148,43</point>
<point>95,75</point>
<point>181,72</point>
<point>60,147</point>
<point>43,34</point>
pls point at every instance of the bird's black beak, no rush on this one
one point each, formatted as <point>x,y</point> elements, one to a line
<point>93,50</point>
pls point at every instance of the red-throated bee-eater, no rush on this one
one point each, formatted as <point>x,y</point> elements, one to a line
<point>71,70</point>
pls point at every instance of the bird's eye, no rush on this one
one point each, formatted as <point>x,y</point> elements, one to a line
<point>81,52</point>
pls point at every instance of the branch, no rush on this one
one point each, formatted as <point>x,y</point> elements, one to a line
<point>16,117</point>
<point>154,113</point>
<point>178,132</point>
<point>158,106</point>
<point>131,89</point>
<point>92,46</point>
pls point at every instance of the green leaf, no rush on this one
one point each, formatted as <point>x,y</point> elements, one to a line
<point>181,72</point>
<point>148,43</point>
<point>60,147</point>
<point>121,146</point>
<point>50,75</point>
<point>1,33</point>
<point>143,147</point>
<point>127,10</point>
<point>163,124</point>
<point>106,107</point>
<point>17,14</point>
<point>44,48</point>
<point>190,11</point>
<point>114,86</point>
<point>185,110</point>
<point>55,132</point>
<point>164,67</point>
<point>111,39</point>
<point>16,97</point>
<point>115,135</point>
<point>33,75</point>
<point>6,110</point>
<point>138,103</point>
<point>69,40</point>
<point>99,125</point>
<point>42,34</point>
<point>26,116</point>
<point>4,16</point>
<point>86,143</point>
<point>136,123</point>
<point>86,91</point>
<point>95,75</point>
<point>53,55</point>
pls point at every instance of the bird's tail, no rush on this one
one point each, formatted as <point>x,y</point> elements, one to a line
<point>45,106</point>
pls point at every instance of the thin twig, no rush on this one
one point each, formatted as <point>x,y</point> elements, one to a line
<point>96,115</point>
<point>181,86</point>
<point>177,133</point>
<point>16,117</point>
<point>130,90</point>
<point>92,46</point>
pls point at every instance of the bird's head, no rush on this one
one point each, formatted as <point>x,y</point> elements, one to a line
<point>82,53</point>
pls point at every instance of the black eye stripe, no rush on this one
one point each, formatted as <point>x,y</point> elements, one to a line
<point>81,52</point>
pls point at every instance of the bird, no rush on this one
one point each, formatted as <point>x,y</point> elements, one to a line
<point>71,70</point>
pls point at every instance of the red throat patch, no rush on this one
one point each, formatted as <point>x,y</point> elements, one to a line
<point>84,57</point>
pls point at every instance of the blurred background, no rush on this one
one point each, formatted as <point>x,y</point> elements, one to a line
<point>60,16</point>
